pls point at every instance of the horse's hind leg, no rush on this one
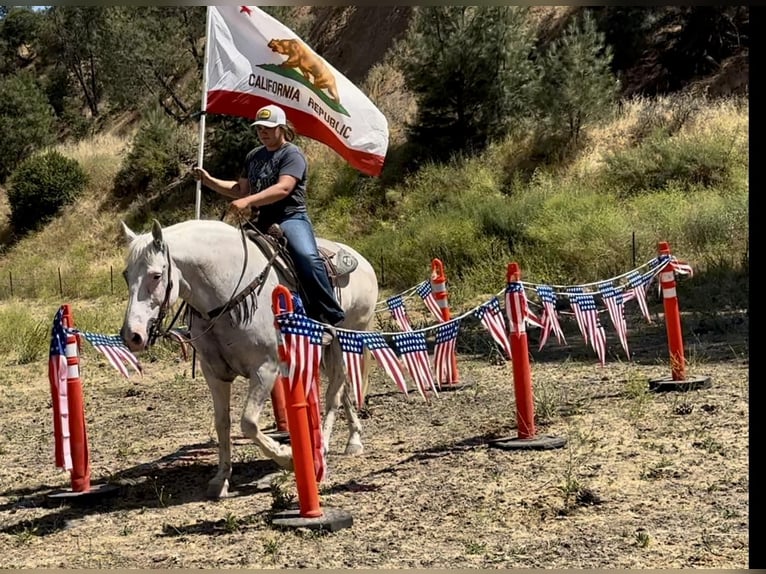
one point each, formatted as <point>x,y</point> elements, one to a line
<point>337,391</point>
<point>220,390</point>
<point>261,383</point>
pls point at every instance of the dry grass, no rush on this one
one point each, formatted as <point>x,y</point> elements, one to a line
<point>644,481</point>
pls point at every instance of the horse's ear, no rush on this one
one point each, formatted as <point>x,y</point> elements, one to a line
<point>157,234</point>
<point>127,232</point>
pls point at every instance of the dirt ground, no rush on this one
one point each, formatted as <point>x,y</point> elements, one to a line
<point>644,479</point>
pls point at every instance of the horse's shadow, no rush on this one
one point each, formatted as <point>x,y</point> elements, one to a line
<point>175,479</point>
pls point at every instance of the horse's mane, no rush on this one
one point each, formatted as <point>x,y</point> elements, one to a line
<point>139,249</point>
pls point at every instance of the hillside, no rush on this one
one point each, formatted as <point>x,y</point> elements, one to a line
<point>717,63</point>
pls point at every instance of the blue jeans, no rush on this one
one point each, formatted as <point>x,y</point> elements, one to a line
<point>319,298</point>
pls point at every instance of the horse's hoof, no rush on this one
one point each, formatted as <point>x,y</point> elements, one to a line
<point>354,449</point>
<point>217,489</point>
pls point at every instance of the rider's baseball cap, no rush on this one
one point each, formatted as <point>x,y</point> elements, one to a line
<point>270,117</point>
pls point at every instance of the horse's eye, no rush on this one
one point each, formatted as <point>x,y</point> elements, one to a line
<point>157,276</point>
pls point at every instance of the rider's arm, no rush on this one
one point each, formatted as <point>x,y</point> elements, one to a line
<point>229,188</point>
<point>273,193</point>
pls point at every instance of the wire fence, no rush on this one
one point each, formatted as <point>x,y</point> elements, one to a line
<point>65,282</point>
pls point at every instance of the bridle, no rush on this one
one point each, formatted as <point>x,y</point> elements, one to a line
<point>156,329</point>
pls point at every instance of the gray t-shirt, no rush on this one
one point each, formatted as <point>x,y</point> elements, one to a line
<point>262,169</point>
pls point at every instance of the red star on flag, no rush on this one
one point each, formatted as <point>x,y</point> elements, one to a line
<point>246,10</point>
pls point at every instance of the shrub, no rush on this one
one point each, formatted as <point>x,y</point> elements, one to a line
<point>41,186</point>
<point>660,161</point>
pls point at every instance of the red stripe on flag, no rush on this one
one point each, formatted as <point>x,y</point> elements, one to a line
<point>244,105</point>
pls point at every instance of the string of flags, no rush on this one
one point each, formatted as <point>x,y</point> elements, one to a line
<point>111,346</point>
<point>583,300</point>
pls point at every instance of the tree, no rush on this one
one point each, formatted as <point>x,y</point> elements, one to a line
<point>75,39</point>
<point>19,30</point>
<point>471,72</point>
<point>577,85</point>
<point>148,54</point>
<point>26,120</point>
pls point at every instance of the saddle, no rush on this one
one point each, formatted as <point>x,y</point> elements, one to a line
<point>273,244</point>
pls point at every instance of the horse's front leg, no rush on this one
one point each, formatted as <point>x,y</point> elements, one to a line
<point>220,390</point>
<point>261,383</point>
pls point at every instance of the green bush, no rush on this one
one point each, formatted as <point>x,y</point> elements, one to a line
<point>41,186</point>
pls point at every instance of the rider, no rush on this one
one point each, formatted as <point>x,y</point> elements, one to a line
<point>273,184</point>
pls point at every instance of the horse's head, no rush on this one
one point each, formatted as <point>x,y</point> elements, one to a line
<point>152,284</point>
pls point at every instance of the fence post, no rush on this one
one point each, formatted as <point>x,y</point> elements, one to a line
<point>522,375</point>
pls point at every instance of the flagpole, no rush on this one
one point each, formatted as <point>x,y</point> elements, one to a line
<point>200,152</point>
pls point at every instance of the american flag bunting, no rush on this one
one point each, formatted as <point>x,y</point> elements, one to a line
<point>574,301</point>
<point>490,315</point>
<point>395,304</point>
<point>515,290</point>
<point>427,295</point>
<point>57,376</point>
<point>636,285</point>
<point>613,301</point>
<point>414,354</point>
<point>115,351</point>
<point>352,347</point>
<point>444,352</point>
<point>597,336</point>
<point>681,267</point>
<point>301,338</point>
<point>386,358</point>
<point>550,318</point>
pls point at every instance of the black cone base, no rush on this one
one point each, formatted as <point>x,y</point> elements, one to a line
<point>332,520</point>
<point>540,442</point>
<point>693,384</point>
<point>96,494</point>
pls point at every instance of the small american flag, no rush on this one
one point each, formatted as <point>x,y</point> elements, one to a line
<point>302,340</point>
<point>681,267</point>
<point>426,293</point>
<point>587,304</point>
<point>518,313</point>
<point>352,346</point>
<point>550,318</point>
<point>574,302</point>
<point>491,317</point>
<point>637,284</point>
<point>385,358</point>
<point>57,376</point>
<point>444,352</point>
<point>396,306</point>
<point>414,353</point>
<point>613,301</point>
<point>115,351</point>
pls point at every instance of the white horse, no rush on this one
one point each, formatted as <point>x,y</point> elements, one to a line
<point>208,264</point>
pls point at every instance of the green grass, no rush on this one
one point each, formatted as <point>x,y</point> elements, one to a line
<point>666,170</point>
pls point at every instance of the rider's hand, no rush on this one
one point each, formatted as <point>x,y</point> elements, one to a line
<point>199,173</point>
<point>242,207</point>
